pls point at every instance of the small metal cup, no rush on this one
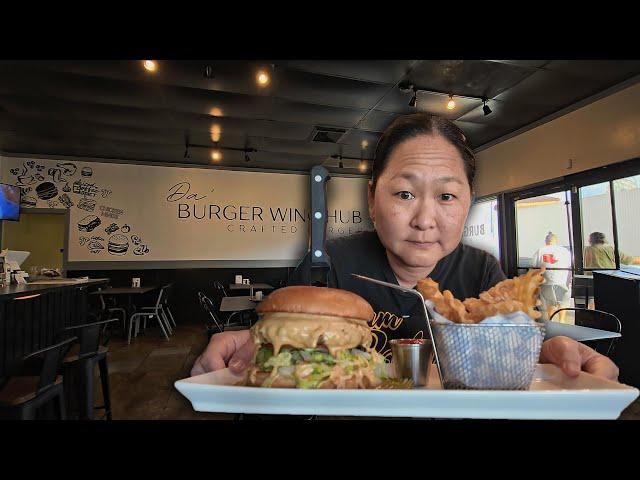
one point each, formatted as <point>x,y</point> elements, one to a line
<point>412,360</point>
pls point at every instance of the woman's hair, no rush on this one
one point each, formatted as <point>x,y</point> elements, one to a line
<point>423,123</point>
<point>597,238</point>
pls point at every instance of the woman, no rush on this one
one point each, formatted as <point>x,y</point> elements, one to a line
<point>419,198</point>
<point>599,254</point>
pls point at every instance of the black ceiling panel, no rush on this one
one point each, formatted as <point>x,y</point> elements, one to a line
<point>602,71</point>
<point>332,91</point>
<point>474,78</point>
<point>546,87</point>
<point>377,120</point>
<point>375,71</point>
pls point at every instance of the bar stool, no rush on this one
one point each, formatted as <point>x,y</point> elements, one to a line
<point>81,361</point>
<point>23,395</point>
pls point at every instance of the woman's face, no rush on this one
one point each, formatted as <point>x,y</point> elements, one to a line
<point>421,201</point>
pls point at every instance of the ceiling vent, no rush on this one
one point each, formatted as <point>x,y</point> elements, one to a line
<point>327,134</point>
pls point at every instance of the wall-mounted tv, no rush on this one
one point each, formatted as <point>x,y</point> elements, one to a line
<point>9,202</point>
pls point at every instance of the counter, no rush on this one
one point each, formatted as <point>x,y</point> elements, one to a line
<point>35,316</point>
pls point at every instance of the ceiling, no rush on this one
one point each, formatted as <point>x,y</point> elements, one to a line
<point>119,110</point>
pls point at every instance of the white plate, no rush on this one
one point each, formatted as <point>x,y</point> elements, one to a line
<point>552,395</point>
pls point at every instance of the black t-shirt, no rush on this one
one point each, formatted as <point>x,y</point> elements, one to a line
<point>467,271</point>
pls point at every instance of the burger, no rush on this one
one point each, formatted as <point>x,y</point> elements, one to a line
<point>28,201</point>
<point>314,337</point>
<point>118,244</point>
<point>46,190</point>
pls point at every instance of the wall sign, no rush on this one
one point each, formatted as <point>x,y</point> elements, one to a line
<point>126,212</point>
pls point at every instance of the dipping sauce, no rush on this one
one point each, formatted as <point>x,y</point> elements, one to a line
<point>410,341</point>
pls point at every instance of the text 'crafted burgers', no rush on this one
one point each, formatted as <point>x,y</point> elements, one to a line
<point>314,337</point>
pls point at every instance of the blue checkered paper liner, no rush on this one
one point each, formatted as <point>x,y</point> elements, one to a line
<point>499,353</point>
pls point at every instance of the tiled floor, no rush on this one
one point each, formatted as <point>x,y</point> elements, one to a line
<point>142,376</point>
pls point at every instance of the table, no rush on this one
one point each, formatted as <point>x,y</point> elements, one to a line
<point>578,333</point>
<point>255,286</point>
<point>125,290</point>
<point>237,304</point>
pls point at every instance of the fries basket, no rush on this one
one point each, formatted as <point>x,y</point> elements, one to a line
<point>488,356</point>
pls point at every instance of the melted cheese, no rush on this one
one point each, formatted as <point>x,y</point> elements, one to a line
<point>299,330</point>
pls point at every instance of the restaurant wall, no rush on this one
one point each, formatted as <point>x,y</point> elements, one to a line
<point>147,216</point>
<point>604,132</point>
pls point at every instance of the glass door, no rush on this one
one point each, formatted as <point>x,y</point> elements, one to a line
<point>544,239</point>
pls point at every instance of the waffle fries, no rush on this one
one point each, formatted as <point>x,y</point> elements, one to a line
<point>511,295</point>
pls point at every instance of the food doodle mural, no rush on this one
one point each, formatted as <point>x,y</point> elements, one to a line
<point>77,187</point>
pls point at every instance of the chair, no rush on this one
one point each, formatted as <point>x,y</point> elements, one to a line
<point>207,306</point>
<point>80,362</point>
<point>165,311</point>
<point>220,292</point>
<point>114,310</point>
<point>151,312</point>
<point>23,395</point>
<point>585,317</point>
<point>220,288</point>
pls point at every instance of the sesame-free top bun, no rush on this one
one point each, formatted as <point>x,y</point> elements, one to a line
<point>317,301</point>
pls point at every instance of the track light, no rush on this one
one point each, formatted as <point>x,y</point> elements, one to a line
<point>150,65</point>
<point>412,102</point>
<point>262,78</point>
<point>363,166</point>
<point>216,155</point>
<point>485,107</point>
<point>451,104</point>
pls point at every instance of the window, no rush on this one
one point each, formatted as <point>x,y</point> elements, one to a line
<point>544,239</point>
<point>627,199</point>
<point>537,218</point>
<point>481,230</point>
<point>597,227</point>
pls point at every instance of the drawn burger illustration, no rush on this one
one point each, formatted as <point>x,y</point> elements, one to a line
<point>28,201</point>
<point>46,190</point>
<point>118,244</point>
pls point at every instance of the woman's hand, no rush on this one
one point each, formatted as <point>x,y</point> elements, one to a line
<point>234,349</point>
<point>572,357</point>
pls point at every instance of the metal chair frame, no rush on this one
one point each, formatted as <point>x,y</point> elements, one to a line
<point>592,322</point>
